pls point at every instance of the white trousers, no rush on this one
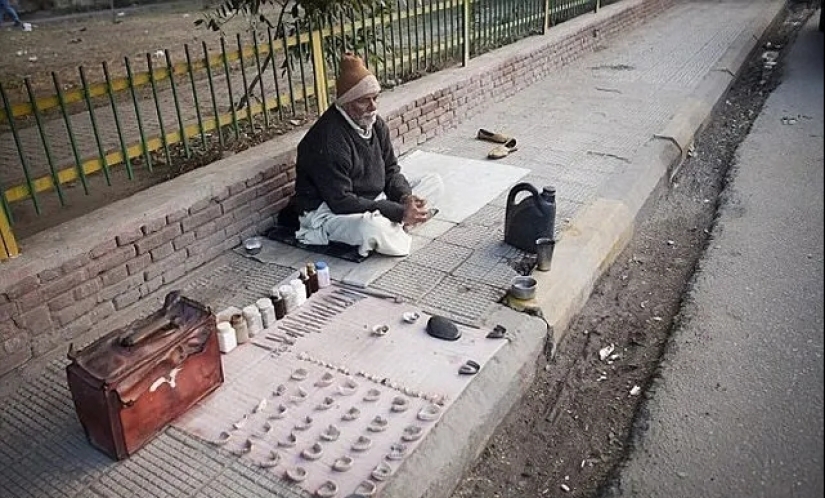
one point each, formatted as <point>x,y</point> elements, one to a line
<point>369,231</point>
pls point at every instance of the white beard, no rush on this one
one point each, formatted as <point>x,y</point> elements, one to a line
<point>367,121</point>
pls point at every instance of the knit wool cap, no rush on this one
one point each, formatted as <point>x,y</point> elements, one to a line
<point>354,80</point>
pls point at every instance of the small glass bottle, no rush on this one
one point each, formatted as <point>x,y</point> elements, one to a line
<point>280,306</point>
<point>312,275</point>
<point>241,331</point>
<point>323,274</point>
<point>304,277</point>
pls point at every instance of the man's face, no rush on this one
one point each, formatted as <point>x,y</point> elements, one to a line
<point>364,110</point>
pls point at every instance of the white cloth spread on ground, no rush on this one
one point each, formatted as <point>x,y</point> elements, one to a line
<point>369,231</point>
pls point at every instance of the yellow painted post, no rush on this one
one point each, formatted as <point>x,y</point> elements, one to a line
<point>319,66</point>
<point>465,59</point>
<point>8,245</point>
<point>546,25</point>
<point>598,4</point>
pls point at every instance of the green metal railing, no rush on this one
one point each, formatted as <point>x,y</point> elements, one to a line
<point>162,113</point>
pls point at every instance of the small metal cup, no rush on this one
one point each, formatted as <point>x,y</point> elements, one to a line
<point>544,253</point>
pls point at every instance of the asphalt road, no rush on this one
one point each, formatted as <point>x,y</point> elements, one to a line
<point>738,408</point>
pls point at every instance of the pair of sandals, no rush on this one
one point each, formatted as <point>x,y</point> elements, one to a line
<point>508,144</point>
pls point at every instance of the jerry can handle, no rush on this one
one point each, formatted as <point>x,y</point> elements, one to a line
<point>518,188</point>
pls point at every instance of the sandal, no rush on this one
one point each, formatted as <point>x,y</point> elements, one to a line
<point>497,333</point>
<point>503,150</point>
<point>492,137</point>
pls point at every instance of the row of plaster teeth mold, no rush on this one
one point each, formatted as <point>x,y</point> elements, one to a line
<point>409,391</point>
<point>303,356</point>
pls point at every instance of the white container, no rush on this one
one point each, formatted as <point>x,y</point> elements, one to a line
<point>300,291</point>
<point>241,330</point>
<point>227,340</point>
<point>323,274</point>
<point>289,297</point>
<point>267,310</point>
<point>254,321</point>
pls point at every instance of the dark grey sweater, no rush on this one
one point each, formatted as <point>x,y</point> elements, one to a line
<point>337,166</point>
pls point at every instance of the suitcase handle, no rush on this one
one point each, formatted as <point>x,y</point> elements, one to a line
<point>137,336</point>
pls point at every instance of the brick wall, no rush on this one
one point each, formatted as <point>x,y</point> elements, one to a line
<point>46,310</point>
<point>136,248</point>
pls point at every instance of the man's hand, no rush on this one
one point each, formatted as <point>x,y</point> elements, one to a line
<point>415,211</point>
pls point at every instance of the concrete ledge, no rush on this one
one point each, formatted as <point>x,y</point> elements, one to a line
<point>437,466</point>
<point>591,242</point>
<point>693,115</point>
<point>586,247</point>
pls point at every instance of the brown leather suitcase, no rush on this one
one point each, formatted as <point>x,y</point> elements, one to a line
<point>129,384</point>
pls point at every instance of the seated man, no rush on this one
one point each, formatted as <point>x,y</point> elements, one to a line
<point>349,187</point>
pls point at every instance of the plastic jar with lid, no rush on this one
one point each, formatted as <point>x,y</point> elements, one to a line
<point>267,310</point>
<point>254,320</point>
<point>227,339</point>
<point>287,293</point>
<point>322,270</point>
<point>300,291</point>
<point>241,331</point>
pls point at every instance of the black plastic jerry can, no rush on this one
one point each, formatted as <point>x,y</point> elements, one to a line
<point>532,218</point>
